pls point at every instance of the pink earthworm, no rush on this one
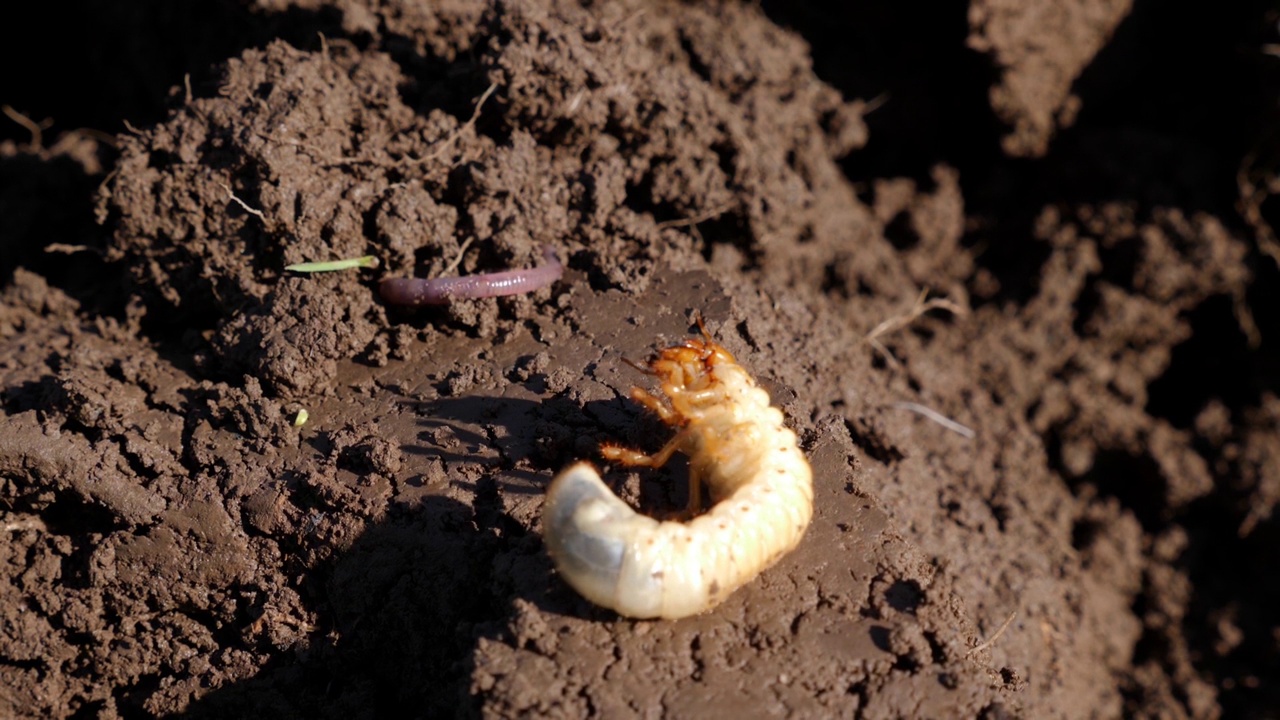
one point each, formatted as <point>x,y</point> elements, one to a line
<point>442,291</point>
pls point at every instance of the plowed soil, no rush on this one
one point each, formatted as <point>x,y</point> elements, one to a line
<point>1008,269</point>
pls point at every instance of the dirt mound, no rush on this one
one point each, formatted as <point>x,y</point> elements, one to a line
<point>1026,337</point>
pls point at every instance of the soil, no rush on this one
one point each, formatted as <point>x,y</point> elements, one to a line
<point>1009,270</point>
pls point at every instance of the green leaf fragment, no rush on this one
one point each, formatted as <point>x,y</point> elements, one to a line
<point>367,261</point>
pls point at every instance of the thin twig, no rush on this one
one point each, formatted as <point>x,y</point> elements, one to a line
<point>885,352</point>
<point>105,138</point>
<point>1244,318</point>
<point>35,128</point>
<point>937,417</point>
<point>438,148</point>
<point>627,21</point>
<point>990,641</point>
<point>247,208</point>
<point>1257,514</point>
<point>920,307</point>
<point>1250,206</point>
<point>457,259</point>
<point>696,219</point>
<point>67,249</point>
<point>875,103</point>
<point>443,145</point>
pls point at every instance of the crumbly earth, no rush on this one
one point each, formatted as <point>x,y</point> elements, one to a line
<point>1009,271</point>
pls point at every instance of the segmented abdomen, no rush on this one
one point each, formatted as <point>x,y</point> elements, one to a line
<point>762,488</point>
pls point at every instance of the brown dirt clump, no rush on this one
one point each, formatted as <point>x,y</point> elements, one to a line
<point>1028,347</point>
<point>1034,93</point>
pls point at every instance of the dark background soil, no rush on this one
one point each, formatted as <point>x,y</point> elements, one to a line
<point>1083,189</point>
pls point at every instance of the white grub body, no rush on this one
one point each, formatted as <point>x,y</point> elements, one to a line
<point>759,481</point>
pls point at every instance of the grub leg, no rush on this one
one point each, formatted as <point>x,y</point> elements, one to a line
<point>702,327</point>
<point>656,405</point>
<point>635,458</point>
<point>695,492</point>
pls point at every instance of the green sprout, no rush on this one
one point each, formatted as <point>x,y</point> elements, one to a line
<point>367,261</point>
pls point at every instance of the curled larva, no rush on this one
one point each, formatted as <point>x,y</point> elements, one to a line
<point>737,445</point>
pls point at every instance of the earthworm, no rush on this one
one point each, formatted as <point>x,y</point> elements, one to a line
<point>442,291</point>
<point>737,445</point>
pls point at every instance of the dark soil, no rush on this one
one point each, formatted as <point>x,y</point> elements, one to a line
<point>1050,223</point>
